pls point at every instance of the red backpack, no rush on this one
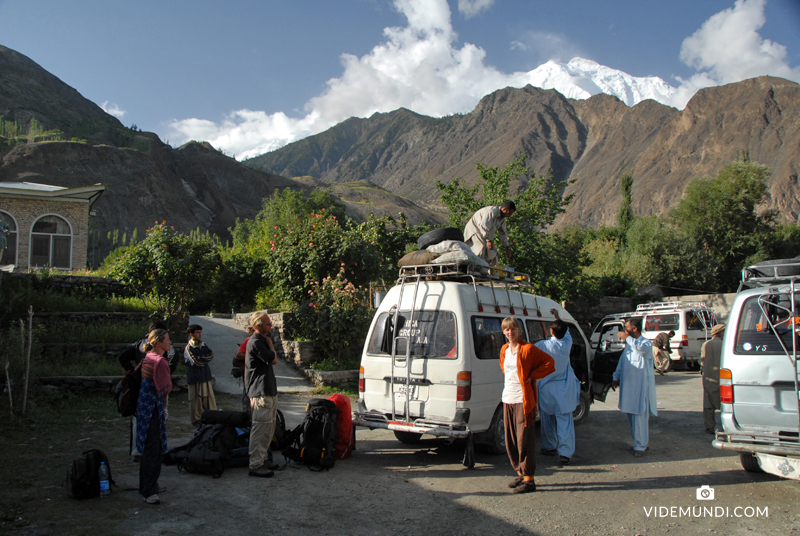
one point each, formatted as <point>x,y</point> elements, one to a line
<point>345,439</point>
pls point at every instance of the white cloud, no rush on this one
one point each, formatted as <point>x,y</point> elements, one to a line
<point>728,48</point>
<point>112,109</point>
<point>470,8</point>
<point>421,67</point>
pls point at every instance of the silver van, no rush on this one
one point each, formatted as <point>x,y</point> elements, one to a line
<point>430,364</point>
<point>759,371</point>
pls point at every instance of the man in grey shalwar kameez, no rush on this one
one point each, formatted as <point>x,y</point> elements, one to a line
<point>636,380</point>
<point>486,224</point>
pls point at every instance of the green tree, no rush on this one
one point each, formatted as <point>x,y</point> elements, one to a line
<point>167,269</point>
<point>721,216</point>
<point>625,213</point>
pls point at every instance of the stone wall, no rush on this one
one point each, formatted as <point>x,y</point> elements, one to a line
<point>102,285</point>
<point>26,211</point>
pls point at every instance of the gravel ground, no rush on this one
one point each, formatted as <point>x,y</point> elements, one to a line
<point>390,488</point>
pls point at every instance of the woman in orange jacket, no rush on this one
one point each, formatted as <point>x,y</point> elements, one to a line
<point>522,364</point>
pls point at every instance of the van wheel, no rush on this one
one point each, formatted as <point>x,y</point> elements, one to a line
<point>581,412</point>
<point>409,438</point>
<point>750,463</point>
<point>496,434</point>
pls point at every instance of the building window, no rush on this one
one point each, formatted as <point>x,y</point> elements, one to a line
<point>51,243</point>
<point>9,255</point>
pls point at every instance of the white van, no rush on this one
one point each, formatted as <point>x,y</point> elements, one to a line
<point>691,322</point>
<point>430,364</point>
<point>759,371</point>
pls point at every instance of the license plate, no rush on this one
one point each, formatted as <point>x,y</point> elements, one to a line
<point>401,391</point>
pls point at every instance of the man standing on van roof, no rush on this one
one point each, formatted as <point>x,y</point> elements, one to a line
<point>636,380</point>
<point>485,224</point>
<point>710,355</point>
<point>559,393</point>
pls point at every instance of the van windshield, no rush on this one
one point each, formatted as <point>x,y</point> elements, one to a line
<point>754,334</point>
<point>433,334</point>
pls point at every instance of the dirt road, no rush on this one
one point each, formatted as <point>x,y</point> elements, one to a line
<point>391,488</point>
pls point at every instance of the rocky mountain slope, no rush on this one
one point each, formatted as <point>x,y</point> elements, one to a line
<point>592,140</point>
<point>146,180</point>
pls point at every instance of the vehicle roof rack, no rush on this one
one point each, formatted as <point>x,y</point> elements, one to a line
<point>667,306</point>
<point>466,272</point>
<point>770,273</point>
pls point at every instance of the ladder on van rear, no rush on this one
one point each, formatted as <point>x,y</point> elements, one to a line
<point>773,274</point>
<point>467,273</point>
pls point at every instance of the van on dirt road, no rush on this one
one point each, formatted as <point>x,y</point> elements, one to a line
<point>430,364</point>
<point>759,370</point>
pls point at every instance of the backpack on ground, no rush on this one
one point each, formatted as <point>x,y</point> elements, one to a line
<point>314,439</point>
<point>83,479</point>
<point>207,453</point>
<point>282,438</point>
<point>345,439</point>
<point>126,392</point>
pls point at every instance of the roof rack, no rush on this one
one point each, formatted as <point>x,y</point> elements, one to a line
<point>466,272</point>
<point>667,306</point>
<point>763,274</point>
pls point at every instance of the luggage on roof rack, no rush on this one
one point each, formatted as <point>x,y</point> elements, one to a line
<point>457,271</point>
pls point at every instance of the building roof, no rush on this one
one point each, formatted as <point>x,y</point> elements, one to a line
<point>32,189</point>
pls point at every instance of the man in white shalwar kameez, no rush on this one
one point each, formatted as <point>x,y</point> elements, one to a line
<point>559,394</point>
<point>636,380</point>
<point>486,224</point>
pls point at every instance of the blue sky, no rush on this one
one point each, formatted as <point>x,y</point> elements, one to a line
<point>252,75</point>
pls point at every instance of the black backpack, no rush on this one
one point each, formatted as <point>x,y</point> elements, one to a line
<point>208,452</point>
<point>314,439</point>
<point>126,392</point>
<point>83,479</point>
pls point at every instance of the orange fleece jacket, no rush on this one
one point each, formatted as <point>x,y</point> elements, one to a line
<point>533,364</point>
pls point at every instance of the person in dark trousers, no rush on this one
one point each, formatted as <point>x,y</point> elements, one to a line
<point>151,414</point>
<point>197,356</point>
<point>522,364</point>
<point>130,357</point>
<point>262,388</point>
<point>710,354</point>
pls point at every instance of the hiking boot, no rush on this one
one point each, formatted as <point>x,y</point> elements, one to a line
<point>564,460</point>
<point>516,482</point>
<point>263,472</point>
<point>525,487</point>
<point>152,499</point>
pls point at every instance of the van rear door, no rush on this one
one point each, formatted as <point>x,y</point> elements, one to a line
<point>428,389</point>
<point>764,394</point>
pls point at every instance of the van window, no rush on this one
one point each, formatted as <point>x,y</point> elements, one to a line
<point>432,335</point>
<point>698,320</point>
<point>487,334</point>
<point>664,322</point>
<point>754,335</point>
<point>536,331</point>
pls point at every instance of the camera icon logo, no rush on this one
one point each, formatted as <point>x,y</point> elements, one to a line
<point>705,493</point>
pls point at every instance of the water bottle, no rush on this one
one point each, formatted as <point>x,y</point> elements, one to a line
<point>105,491</point>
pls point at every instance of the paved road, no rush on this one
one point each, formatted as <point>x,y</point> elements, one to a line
<point>224,336</point>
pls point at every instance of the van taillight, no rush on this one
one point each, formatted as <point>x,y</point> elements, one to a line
<point>725,386</point>
<point>361,379</point>
<point>463,386</point>
<point>684,340</point>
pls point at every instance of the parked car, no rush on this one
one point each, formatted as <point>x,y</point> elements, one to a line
<point>430,364</point>
<point>759,370</point>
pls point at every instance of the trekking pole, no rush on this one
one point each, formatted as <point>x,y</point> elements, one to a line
<point>28,359</point>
